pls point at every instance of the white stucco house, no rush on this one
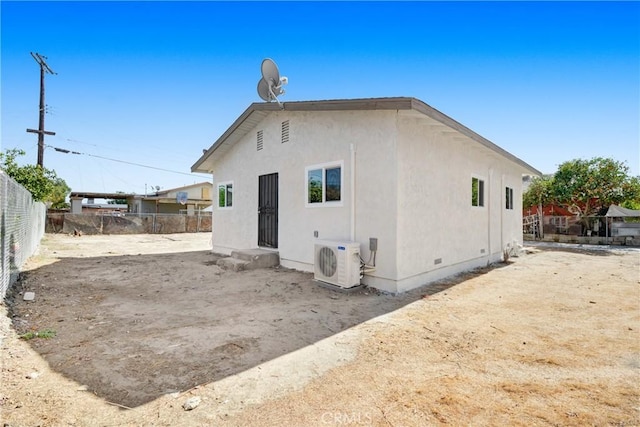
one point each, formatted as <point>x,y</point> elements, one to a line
<point>439,198</point>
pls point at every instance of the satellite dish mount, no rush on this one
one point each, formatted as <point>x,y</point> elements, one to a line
<point>270,85</point>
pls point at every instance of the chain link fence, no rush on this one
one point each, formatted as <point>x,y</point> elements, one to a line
<point>595,230</point>
<point>22,223</point>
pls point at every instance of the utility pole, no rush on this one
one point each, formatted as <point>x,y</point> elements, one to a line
<point>44,68</point>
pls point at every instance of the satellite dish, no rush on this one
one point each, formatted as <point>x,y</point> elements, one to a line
<point>270,86</point>
<point>263,90</point>
<point>270,71</point>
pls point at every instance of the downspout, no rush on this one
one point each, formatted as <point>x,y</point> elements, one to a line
<point>352,168</point>
<point>489,200</point>
<point>503,202</point>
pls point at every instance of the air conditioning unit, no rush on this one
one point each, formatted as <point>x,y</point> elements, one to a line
<point>337,263</point>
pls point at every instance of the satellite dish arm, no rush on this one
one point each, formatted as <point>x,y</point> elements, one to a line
<point>273,95</point>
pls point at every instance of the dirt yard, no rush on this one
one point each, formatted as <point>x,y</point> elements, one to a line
<point>144,323</point>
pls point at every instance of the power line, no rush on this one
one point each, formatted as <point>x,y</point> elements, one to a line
<point>65,151</point>
<point>122,150</point>
<point>80,142</point>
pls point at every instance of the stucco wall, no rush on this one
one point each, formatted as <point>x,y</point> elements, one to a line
<point>194,192</point>
<point>439,231</point>
<point>413,193</point>
<point>435,213</point>
<point>315,138</point>
<point>170,208</point>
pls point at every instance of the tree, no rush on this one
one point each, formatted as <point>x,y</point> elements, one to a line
<point>58,195</point>
<point>632,193</point>
<point>43,184</point>
<point>538,193</point>
<point>586,186</point>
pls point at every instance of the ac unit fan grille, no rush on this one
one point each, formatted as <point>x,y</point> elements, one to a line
<point>327,261</point>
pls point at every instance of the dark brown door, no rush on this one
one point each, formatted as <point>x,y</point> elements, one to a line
<point>268,210</point>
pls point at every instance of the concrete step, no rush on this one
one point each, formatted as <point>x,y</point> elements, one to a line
<point>232,264</point>
<point>259,258</point>
<point>250,259</point>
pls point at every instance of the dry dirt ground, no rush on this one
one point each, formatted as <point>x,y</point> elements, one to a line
<point>145,322</point>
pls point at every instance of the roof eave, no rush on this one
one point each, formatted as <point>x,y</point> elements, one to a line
<point>396,103</point>
<point>431,112</point>
<point>198,165</point>
<point>392,103</point>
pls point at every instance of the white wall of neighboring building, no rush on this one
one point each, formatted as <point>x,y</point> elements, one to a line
<point>413,193</point>
<point>201,191</point>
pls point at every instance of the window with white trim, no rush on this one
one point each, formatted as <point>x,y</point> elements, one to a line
<point>508,197</point>
<point>225,194</point>
<point>324,184</point>
<point>477,192</point>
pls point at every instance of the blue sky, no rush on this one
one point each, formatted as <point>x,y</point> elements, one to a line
<point>156,82</point>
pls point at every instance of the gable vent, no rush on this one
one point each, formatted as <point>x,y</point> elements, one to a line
<point>285,131</point>
<point>259,140</point>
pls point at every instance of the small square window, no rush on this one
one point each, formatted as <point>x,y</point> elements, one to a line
<point>225,194</point>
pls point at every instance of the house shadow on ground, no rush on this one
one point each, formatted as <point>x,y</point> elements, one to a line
<point>133,328</point>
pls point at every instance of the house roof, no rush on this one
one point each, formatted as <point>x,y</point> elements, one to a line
<point>93,195</point>
<point>549,210</point>
<point>619,211</point>
<point>259,110</point>
<point>105,206</point>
